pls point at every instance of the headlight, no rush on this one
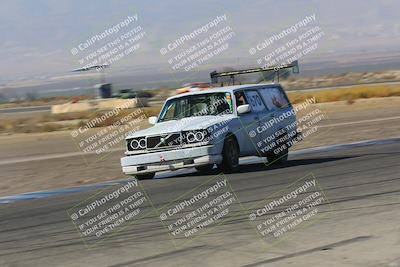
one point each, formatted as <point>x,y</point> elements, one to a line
<point>136,144</point>
<point>142,143</point>
<point>196,136</point>
<point>190,137</point>
<point>199,136</point>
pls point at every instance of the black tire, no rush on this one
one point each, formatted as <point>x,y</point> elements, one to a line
<point>230,156</point>
<point>205,168</point>
<point>282,156</point>
<point>145,176</point>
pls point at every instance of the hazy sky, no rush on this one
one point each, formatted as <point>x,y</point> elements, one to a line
<point>38,35</point>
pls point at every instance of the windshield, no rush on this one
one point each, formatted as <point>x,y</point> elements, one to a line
<point>197,105</point>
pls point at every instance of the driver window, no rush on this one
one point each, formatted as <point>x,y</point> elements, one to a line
<point>240,98</point>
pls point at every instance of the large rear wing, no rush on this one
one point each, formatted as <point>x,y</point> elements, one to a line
<point>231,74</point>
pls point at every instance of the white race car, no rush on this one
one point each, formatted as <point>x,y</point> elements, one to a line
<point>214,126</point>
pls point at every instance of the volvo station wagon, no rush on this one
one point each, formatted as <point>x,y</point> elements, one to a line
<point>213,127</point>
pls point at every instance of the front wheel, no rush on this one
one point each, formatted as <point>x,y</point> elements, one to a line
<point>145,176</point>
<point>230,156</point>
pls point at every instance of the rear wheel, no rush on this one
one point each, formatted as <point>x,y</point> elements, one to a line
<point>230,156</point>
<point>145,176</point>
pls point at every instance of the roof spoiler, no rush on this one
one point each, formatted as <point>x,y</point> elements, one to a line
<point>231,74</point>
<point>94,67</point>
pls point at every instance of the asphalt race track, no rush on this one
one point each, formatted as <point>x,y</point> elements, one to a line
<point>358,226</point>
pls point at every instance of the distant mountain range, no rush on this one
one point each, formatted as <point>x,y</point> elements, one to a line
<point>37,37</point>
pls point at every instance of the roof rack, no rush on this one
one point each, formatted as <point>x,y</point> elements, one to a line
<point>231,74</point>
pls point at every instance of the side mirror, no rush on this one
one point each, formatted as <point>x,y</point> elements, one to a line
<point>153,120</point>
<point>243,109</point>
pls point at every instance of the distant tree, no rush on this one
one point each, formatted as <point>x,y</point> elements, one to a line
<point>3,98</point>
<point>31,96</point>
<point>144,94</point>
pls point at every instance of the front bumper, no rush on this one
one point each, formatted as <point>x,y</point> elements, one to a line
<point>170,160</point>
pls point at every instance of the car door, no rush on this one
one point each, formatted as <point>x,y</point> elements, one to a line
<point>244,124</point>
<point>251,120</point>
<point>279,114</point>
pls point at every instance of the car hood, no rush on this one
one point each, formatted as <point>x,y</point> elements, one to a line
<point>184,124</point>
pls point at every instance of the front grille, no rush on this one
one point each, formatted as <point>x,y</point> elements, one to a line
<point>164,141</point>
